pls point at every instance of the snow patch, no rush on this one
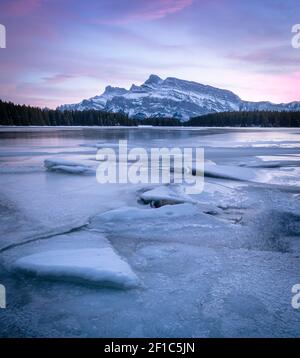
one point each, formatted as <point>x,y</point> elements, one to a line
<point>164,195</point>
<point>68,167</point>
<point>132,214</point>
<point>100,267</point>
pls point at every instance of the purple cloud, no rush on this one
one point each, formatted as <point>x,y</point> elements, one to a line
<point>64,51</point>
<point>143,10</point>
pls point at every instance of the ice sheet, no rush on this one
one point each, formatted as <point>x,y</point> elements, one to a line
<point>220,266</point>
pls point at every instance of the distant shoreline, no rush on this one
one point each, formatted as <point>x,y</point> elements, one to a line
<point>16,115</point>
<point>4,128</point>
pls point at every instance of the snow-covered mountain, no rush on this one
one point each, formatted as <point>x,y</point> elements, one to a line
<point>172,97</point>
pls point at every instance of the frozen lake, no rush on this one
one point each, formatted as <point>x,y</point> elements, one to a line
<point>81,259</point>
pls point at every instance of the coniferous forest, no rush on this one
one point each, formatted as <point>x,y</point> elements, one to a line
<point>21,115</point>
<point>247,119</point>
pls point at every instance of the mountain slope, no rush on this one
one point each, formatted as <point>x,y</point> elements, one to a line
<point>172,97</point>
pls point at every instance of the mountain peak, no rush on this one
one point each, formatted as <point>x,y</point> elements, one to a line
<point>110,90</point>
<point>153,79</point>
<point>172,97</point>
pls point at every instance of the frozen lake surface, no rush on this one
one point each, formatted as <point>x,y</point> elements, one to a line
<point>83,259</point>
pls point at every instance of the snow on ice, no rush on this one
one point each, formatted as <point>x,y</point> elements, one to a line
<point>101,267</point>
<point>66,166</point>
<point>217,264</point>
<point>164,195</point>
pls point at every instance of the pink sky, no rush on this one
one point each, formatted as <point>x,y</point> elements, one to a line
<point>64,51</point>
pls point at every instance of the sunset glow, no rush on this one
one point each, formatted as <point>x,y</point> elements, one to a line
<point>62,52</point>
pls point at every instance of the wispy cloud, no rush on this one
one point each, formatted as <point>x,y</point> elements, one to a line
<point>279,58</point>
<point>144,10</point>
<point>58,78</point>
<point>64,51</point>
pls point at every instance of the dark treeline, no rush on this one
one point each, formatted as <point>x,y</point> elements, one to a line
<point>21,115</point>
<point>17,115</point>
<point>247,119</point>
